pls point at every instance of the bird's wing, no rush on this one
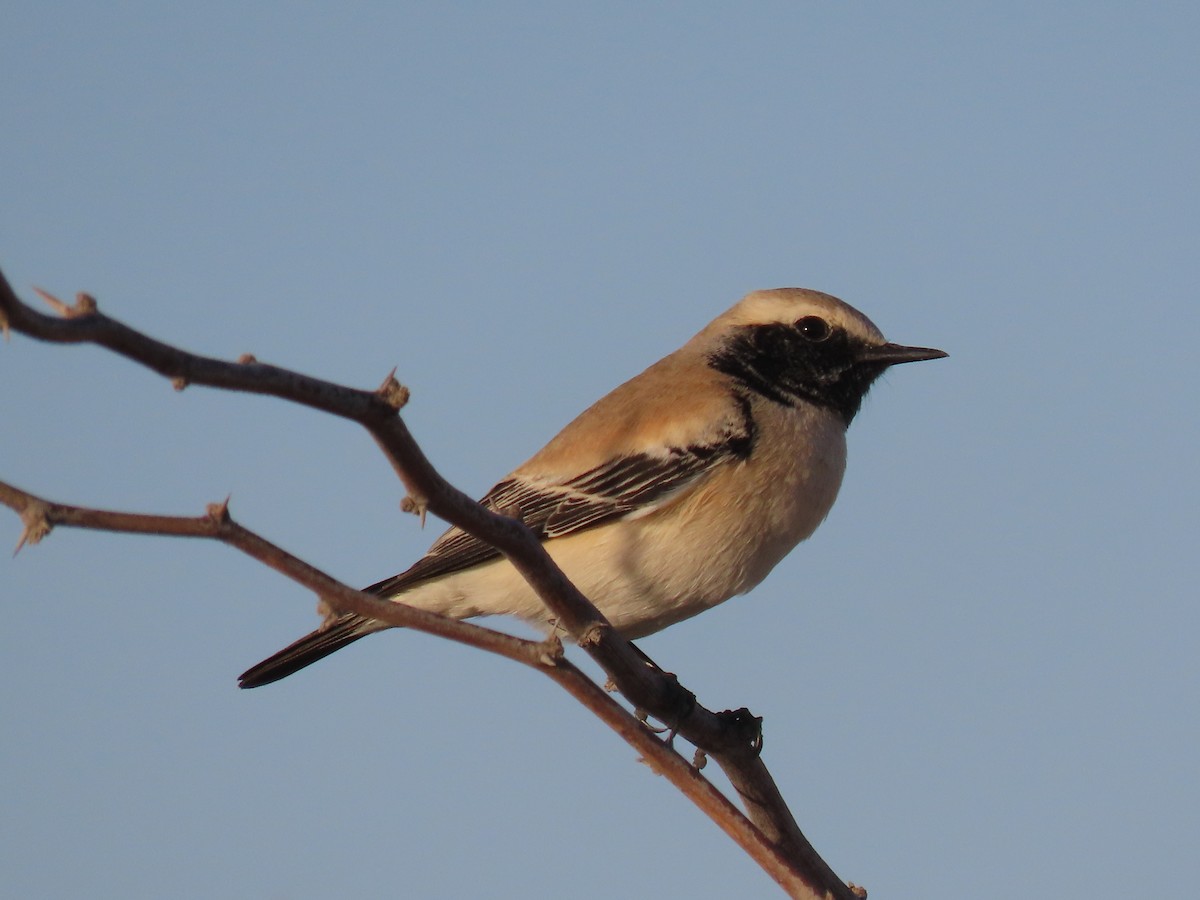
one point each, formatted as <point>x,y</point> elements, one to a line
<point>629,485</point>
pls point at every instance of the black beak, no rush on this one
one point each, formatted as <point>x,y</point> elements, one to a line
<point>894,354</point>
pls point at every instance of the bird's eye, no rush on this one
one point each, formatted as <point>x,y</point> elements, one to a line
<point>814,328</point>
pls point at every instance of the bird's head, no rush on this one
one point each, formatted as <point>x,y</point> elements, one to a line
<point>794,345</point>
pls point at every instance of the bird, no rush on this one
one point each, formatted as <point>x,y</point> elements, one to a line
<point>679,489</point>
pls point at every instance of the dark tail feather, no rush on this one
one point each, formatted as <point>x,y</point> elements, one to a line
<point>307,650</point>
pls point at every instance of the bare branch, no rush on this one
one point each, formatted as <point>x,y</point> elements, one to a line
<point>41,516</point>
<point>733,739</point>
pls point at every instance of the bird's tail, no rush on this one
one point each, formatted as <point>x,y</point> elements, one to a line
<point>316,645</point>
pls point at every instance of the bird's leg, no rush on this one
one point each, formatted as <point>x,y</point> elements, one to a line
<point>646,659</point>
<point>642,716</point>
<point>680,699</point>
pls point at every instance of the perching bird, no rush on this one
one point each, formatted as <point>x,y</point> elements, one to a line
<point>678,490</point>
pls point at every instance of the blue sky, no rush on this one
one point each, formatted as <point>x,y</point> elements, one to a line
<point>980,675</point>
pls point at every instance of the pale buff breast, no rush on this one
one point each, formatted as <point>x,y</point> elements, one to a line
<point>723,539</point>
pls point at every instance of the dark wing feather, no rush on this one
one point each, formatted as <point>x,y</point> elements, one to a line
<point>627,485</point>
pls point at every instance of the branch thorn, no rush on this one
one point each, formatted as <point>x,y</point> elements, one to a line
<point>85,304</point>
<point>37,524</point>
<point>393,393</point>
<point>593,635</point>
<point>53,302</point>
<point>219,512</point>
<point>418,506</point>
<point>552,651</point>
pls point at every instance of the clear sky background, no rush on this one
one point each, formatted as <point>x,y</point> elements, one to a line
<point>980,677</point>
